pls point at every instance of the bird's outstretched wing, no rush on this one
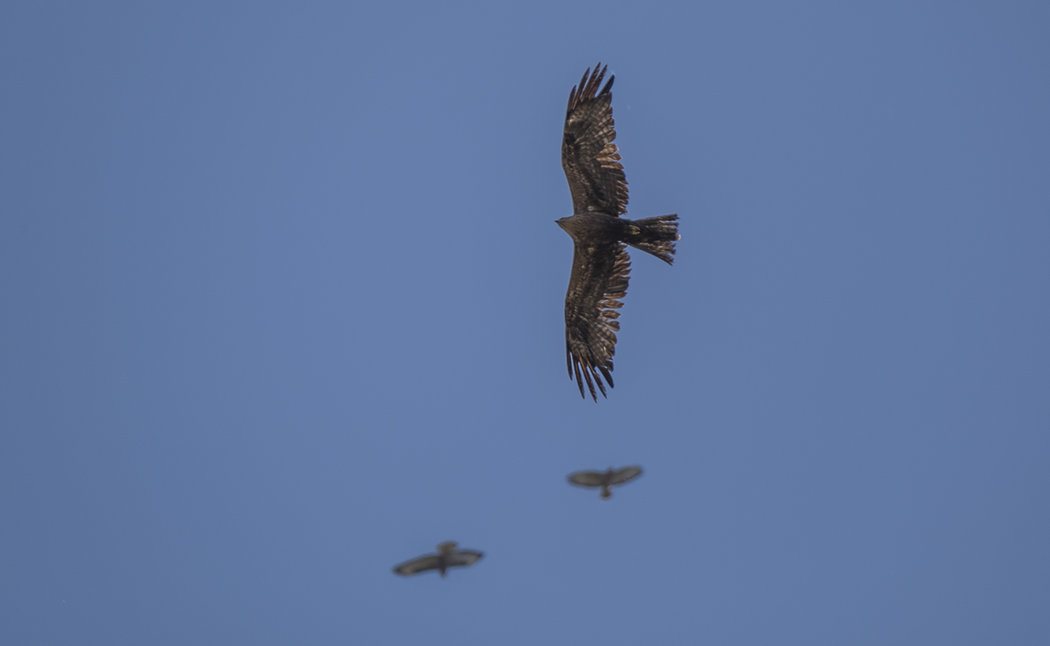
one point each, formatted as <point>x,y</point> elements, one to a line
<point>599,280</point>
<point>588,154</point>
<point>625,474</point>
<point>462,558</point>
<point>587,478</point>
<point>422,564</point>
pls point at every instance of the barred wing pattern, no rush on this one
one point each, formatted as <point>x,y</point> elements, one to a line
<point>590,158</point>
<point>598,283</point>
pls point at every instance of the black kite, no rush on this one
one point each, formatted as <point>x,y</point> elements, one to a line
<point>600,264</point>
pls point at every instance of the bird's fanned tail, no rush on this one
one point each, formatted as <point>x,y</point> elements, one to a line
<point>655,235</point>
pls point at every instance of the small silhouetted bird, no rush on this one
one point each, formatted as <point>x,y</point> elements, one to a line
<point>605,479</point>
<point>600,264</point>
<point>447,556</point>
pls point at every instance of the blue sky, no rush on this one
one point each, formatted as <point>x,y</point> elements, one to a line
<point>283,302</point>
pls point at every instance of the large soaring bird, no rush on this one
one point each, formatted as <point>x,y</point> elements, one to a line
<point>447,556</point>
<point>605,479</point>
<point>600,264</point>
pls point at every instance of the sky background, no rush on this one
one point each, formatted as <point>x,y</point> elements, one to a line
<point>282,306</point>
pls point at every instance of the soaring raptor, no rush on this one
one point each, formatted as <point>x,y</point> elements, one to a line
<point>600,264</point>
<point>446,557</point>
<point>605,480</point>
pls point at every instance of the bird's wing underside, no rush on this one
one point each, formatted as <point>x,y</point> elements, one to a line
<point>599,280</point>
<point>588,154</point>
<point>587,478</point>
<point>464,557</point>
<point>422,564</point>
<point>625,474</point>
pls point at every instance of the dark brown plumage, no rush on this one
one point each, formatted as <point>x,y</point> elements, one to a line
<point>447,556</point>
<point>600,264</point>
<point>605,479</point>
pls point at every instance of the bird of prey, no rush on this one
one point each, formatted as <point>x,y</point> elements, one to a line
<point>605,479</point>
<point>447,556</point>
<point>600,264</point>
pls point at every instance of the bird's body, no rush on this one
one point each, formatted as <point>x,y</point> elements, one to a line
<point>600,265</point>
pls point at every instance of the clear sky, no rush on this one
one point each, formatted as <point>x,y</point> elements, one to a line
<point>281,306</point>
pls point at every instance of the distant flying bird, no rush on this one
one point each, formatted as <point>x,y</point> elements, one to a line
<point>600,264</point>
<point>447,556</point>
<point>605,479</point>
